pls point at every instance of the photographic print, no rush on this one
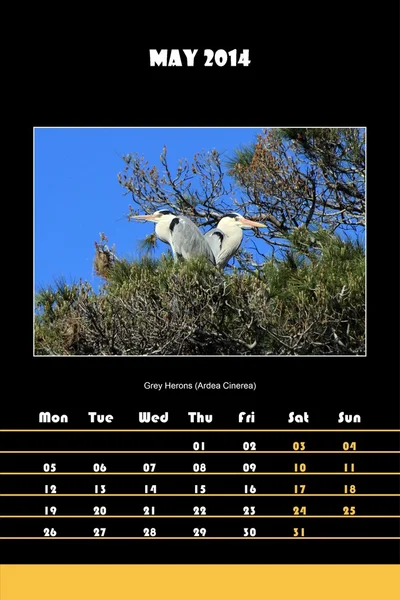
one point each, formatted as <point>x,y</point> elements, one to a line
<point>199,241</point>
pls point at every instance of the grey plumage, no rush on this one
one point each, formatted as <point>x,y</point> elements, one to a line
<point>222,247</point>
<point>185,239</point>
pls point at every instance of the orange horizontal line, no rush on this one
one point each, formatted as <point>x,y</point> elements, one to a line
<point>349,452</point>
<point>200,473</point>
<point>199,538</point>
<point>198,495</point>
<point>200,430</point>
<point>199,516</point>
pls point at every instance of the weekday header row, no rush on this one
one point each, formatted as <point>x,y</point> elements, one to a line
<point>191,417</point>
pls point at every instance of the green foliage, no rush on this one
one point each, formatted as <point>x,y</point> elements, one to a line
<point>148,244</point>
<point>241,156</point>
<point>311,302</point>
<point>319,294</point>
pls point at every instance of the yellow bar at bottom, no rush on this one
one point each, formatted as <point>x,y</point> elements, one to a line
<point>195,582</point>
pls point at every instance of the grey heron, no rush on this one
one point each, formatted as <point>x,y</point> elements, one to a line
<point>226,238</point>
<point>185,239</point>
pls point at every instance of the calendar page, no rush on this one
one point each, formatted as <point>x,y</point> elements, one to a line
<point>212,405</point>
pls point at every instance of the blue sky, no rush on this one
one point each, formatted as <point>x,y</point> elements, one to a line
<point>77,194</point>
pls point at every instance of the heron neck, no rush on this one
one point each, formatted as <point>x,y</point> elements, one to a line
<point>232,231</point>
<point>163,232</point>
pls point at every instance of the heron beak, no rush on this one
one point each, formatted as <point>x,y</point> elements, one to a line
<point>248,223</point>
<point>144,217</point>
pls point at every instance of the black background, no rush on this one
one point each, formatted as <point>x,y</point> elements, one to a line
<point>307,70</point>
